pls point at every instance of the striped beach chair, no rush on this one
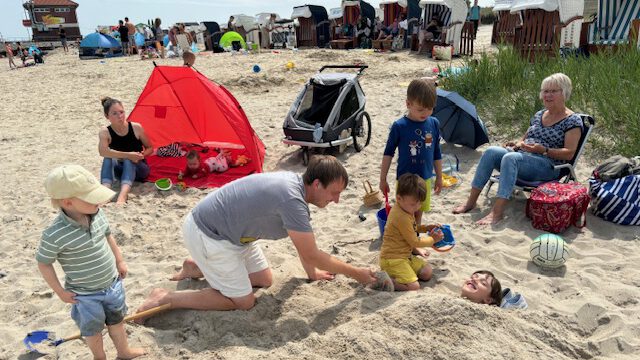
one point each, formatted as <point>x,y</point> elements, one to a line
<point>613,21</point>
<point>453,14</point>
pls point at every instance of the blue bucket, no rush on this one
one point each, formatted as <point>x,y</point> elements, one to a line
<point>382,219</point>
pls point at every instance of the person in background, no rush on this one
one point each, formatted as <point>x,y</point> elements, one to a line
<point>159,36</point>
<point>131,34</point>
<point>9,50</point>
<point>231,25</point>
<point>124,37</point>
<point>62,33</point>
<point>474,16</point>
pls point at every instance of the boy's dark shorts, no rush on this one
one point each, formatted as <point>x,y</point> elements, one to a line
<point>93,311</point>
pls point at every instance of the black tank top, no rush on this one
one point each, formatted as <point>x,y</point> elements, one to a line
<point>127,143</point>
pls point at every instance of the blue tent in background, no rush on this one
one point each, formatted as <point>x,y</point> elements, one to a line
<point>459,121</point>
<point>139,38</point>
<point>97,45</point>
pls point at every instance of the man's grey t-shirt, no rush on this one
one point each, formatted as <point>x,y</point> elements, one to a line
<point>259,206</point>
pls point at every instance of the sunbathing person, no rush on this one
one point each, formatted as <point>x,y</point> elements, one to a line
<point>552,139</point>
<point>433,28</point>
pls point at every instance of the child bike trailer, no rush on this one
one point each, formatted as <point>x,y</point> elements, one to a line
<point>329,113</point>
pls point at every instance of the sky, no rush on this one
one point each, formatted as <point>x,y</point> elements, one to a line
<point>100,12</point>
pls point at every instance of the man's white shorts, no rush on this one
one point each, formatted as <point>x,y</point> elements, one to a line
<point>225,266</point>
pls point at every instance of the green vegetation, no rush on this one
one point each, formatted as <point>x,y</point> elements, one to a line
<point>506,88</point>
<point>487,16</point>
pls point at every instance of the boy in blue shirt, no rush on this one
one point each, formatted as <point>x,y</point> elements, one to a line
<point>417,138</point>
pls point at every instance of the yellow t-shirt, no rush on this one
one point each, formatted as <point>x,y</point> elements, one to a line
<point>400,235</point>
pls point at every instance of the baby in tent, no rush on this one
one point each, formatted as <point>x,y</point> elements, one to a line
<point>196,168</point>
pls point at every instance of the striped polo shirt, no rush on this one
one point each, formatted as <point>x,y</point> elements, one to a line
<point>84,253</point>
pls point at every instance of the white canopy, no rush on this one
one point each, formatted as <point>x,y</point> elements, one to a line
<point>346,3</point>
<point>263,18</point>
<point>402,3</point>
<point>335,13</point>
<point>546,5</point>
<point>246,21</point>
<point>301,11</point>
<point>567,8</point>
<point>502,5</point>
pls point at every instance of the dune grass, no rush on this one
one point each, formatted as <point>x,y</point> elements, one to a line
<point>505,89</point>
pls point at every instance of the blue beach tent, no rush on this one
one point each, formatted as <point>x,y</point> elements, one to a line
<point>97,45</point>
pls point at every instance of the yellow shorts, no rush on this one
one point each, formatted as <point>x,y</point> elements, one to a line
<point>403,271</point>
<point>426,204</point>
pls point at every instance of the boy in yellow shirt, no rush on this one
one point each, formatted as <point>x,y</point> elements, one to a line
<point>401,241</point>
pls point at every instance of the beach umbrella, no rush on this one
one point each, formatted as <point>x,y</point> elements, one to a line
<point>459,121</point>
<point>229,37</point>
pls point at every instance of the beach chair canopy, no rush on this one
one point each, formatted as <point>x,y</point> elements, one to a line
<point>351,11</point>
<point>263,18</point>
<point>450,11</point>
<point>98,40</point>
<point>502,5</point>
<point>335,13</point>
<point>249,23</point>
<point>567,9</point>
<point>613,21</point>
<point>179,104</point>
<point>313,25</point>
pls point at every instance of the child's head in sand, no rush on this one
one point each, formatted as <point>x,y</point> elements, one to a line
<point>421,99</point>
<point>76,190</point>
<point>482,288</point>
<point>412,191</point>
<point>188,58</point>
<point>193,160</point>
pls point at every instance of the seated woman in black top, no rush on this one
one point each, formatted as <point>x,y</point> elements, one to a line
<point>123,145</point>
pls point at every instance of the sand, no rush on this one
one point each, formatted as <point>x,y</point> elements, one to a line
<point>50,115</point>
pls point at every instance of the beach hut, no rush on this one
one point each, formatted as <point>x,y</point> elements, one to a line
<point>504,27</point>
<point>313,28</point>
<point>617,22</point>
<point>351,12</point>
<point>98,45</point>
<point>547,25</point>
<point>453,15</point>
<point>391,9</point>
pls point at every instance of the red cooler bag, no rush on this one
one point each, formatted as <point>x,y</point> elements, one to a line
<point>555,206</point>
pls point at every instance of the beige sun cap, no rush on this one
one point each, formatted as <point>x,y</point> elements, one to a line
<point>74,181</point>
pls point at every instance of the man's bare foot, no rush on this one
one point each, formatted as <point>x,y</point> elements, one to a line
<point>490,219</point>
<point>132,353</point>
<point>463,209</point>
<point>157,297</point>
<point>189,271</point>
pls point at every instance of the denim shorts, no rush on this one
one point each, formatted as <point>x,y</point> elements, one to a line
<point>93,311</point>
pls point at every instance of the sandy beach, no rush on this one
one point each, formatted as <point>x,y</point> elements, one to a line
<point>51,114</point>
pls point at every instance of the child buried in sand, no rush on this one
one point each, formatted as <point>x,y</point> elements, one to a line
<point>80,240</point>
<point>400,241</point>
<point>482,288</point>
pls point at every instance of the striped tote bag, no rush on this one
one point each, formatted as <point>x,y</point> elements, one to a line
<point>617,200</point>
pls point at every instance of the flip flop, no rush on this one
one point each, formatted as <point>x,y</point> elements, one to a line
<point>383,282</point>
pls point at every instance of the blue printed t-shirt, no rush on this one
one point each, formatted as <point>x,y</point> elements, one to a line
<point>416,153</point>
<point>552,136</point>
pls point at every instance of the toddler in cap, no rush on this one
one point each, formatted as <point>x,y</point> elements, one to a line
<point>81,241</point>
